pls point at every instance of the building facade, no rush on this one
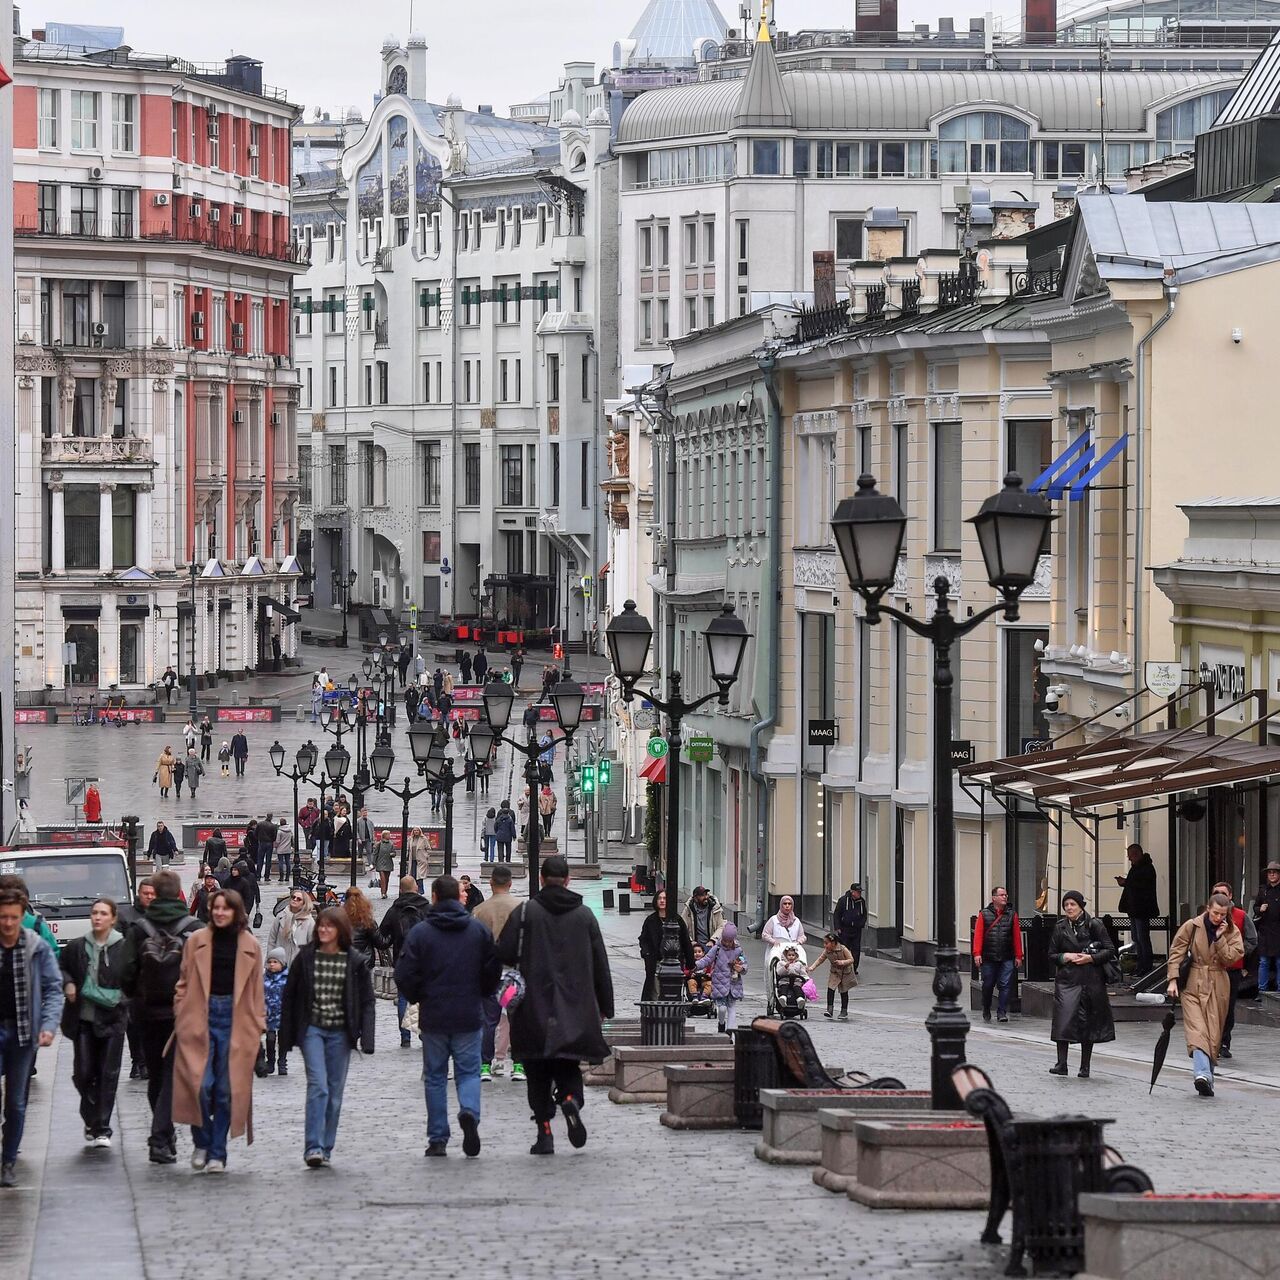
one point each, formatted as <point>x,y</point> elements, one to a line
<point>156,402</point>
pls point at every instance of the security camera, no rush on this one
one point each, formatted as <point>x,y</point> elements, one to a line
<point>1237,336</point>
<point>1051,698</point>
<point>744,403</point>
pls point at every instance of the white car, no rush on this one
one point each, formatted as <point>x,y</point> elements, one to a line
<point>64,880</point>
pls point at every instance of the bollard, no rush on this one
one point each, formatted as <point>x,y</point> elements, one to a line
<point>608,899</point>
<point>624,904</point>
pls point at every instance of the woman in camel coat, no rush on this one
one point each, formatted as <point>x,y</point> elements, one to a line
<point>1215,945</point>
<point>219,1016</point>
<point>164,771</point>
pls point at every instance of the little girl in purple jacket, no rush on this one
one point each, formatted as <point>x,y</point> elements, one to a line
<point>726,963</point>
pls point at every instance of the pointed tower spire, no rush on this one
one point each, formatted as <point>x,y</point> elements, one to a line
<point>763,102</point>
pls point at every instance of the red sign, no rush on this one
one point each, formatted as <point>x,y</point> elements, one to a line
<point>247,715</point>
<point>134,715</point>
<point>468,692</point>
<point>35,715</point>
<point>435,836</point>
<point>234,836</point>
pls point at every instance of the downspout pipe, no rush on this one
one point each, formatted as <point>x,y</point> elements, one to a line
<point>767,361</point>
<point>1140,487</point>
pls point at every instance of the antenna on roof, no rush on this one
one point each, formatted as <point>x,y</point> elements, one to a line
<point>1104,61</point>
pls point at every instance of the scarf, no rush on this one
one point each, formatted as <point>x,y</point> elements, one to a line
<point>1211,929</point>
<point>22,988</point>
<point>786,916</point>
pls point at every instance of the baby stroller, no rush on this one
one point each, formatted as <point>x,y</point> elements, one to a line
<point>698,1001</point>
<point>784,993</point>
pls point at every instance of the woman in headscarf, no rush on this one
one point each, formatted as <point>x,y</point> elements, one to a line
<point>785,926</point>
<point>651,945</point>
<point>1080,947</point>
<point>1214,944</point>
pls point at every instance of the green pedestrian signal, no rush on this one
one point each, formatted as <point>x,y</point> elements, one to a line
<point>605,769</point>
<point>588,779</point>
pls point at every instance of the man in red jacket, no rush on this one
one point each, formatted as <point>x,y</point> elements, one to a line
<point>1249,935</point>
<point>997,949</point>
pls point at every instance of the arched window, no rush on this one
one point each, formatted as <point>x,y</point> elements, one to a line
<point>1177,126</point>
<point>984,142</point>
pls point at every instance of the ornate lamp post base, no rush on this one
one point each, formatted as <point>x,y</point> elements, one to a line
<point>948,1025</point>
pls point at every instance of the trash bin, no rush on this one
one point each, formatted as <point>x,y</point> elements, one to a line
<point>661,1022</point>
<point>755,1067</point>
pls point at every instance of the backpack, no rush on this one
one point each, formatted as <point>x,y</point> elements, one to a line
<point>160,961</point>
<point>505,827</point>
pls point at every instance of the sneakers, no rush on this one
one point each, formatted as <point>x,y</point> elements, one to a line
<point>486,1076</point>
<point>1204,1086</point>
<point>545,1144</point>
<point>1003,1017</point>
<point>199,1159</point>
<point>8,1175</point>
<point>844,1015</point>
<point>215,1166</point>
<point>314,1159</point>
<point>517,1072</point>
<point>829,1014</point>
<point>435,1149</point>
<point>103,1140</point>
<point>573,1118</point>
<point>1224,1052</point>
<point>90,1138</point>
<point>469,1123</point>
<point>499,1067</point>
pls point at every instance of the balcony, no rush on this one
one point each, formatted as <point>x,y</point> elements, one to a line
<point>381,334</point>
<point>569,251</point>
<point>95,451</point>
<point>195,231</point>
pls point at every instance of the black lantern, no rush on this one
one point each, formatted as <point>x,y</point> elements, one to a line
<point>306,758</point>
<point>382,760</point>
<point>869,529</point>
<point>326,714</point>
<point>336,761</point>
<point>499,697</point>
<point>567,697</point>
<point>421,736</point>
<point>277,755</point>
<point>481,740</point>
<point>629,636</point>
<point>353,684</point>
<point>437,763</point>
<point>1013,533</point>
<point>726,645</point>
<point>368,669</point>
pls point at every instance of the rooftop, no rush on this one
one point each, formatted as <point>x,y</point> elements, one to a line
<point>669,30</point>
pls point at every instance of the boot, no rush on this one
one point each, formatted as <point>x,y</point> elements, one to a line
<point>1060,1068</point>
<point>545,1145</point>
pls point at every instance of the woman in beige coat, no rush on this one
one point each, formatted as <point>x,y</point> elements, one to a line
<point>1215,945</point>
<point>164,771</point>
<point>218,1020</point>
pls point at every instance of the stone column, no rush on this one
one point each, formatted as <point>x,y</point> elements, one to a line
<point>142,531</point>
<point>57,530</point>
<point>105,557</point>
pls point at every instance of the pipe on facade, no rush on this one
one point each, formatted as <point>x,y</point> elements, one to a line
<point>767,361</point>
<point>1140,489</point>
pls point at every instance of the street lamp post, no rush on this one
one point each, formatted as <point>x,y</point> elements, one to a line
<point>1013,529</point>
<point>306,762</point>
<point>629,637</point>
<point>191,671</point>
<point>345,583</point>
<point>567,698</point>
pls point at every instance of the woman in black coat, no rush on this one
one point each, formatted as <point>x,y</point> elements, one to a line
<point>1080,948</point>
<point>651,945</point>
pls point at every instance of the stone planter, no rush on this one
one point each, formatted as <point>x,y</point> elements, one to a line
<point>699,1098</point>
<point>925,1164</point>
<point>792,1132</point>
<point>602,1073</point>
<point>519,871</point>
<point>639,1070</point>
<point>1174,1237</point>
<point>838,1155</point>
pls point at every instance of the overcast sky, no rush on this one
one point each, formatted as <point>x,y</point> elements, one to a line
<point>326,52</point>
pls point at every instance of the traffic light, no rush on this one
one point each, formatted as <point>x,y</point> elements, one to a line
<point>588,779</point>
<point>557,651</point>
<point>606,768</point>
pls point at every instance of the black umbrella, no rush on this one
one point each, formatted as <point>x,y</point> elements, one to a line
<point>1162,1048</point>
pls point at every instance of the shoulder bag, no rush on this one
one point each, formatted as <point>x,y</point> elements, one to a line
<point>511,986</point>
<point>1184,966</point>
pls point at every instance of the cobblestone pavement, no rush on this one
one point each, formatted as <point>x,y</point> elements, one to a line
<point>640,1199</point>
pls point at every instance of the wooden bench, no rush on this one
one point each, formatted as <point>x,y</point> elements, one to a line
<point>1039,1169</point>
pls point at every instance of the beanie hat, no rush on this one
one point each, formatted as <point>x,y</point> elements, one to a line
<point>277,953</point>
<point>729,934</point>
<point>1075,896</point>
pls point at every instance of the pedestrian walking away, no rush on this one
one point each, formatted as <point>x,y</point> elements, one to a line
<point>504,831</point>
<point>328,1012</point>
<point>555,942</point>
<point>163,776</point>
<point>31,1003</point>
<point>481,665</point>
<point>283,851</point>
<point>152,964</point>
<point>364,927</point>
<point>448,965</point>
<point>1138,901</point>
<point>1236,970</point>
<point>274,978</point>
<point>841,974</point>
<point>266,836</point>
<point>1202,951</point>
<point>494,914</point>
<point>408,909</point>
<point>1081,949</point>
<point>364,838</point>
<point>215,847</point>
<point>218,1021</point>
<point>849,919</point>
<point>997,951</point>
<point>464,668</point>
<point>93,1017</point>
<point>239,751</point>
<point>1266,915</point>
<point>129,916</point>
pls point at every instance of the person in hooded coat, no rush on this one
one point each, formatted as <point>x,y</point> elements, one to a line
<point>1080,948</point>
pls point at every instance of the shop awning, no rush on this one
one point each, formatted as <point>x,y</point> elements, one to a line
<point>287,612</point>
<point>654,770</point>
<point>1075,467</point>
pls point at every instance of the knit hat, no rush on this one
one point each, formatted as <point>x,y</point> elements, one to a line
<point>1074,895</point>
<point>729,934</point>
<point>277,953</point>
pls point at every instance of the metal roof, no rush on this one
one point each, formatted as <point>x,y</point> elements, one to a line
<point>909,101</point>
<point>763,103</point>
<point>1135,239</point>
<point>1259,92</point>
<point>668,30</point>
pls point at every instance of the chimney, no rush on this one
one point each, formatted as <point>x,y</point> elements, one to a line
<point>1040,21</point>
<point>886,235</point>
<point>824,278</point>
<point>876,15</point>
<point>1012,218</point>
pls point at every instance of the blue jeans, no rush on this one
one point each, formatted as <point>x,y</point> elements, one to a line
<point>215,1088</point>
<point>284,862</point>
<point>437,1048</point>
<point>1268,973</point>
<point>1200,1065</point>
<point>490,848</point>
<point>402,1006</point>
<point>997,973</point>
<point>264,859</point>
<point>327,1054</point>
<point>15,1068</point>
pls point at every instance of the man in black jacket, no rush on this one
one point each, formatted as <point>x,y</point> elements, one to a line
<point>448,965</point>
<point>1266,914</point>
<point>1138,902</point>
<point>555,942</point>
<point>849,920</point>
<point>409,908</point>
<point>266,847</point>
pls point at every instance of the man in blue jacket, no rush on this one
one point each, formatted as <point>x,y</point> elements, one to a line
<point>30,1006</point>
<point>448,965</point>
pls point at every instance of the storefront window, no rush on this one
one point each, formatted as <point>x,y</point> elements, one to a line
<point>1026,829</point>
<point>818,634</point>
<point>130,653</point>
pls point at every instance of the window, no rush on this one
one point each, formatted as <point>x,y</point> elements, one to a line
<point>848,239</point>
<point>368,385</point>
<point>646,247</point>
<point>742,229</point>
<point>255,150</point>
<point>131,652</point>
<point>817,458</point>
<point>304,474</point>
<point>946,486</point>
<point>123,134</point>
<point>384,372</point>
<point>338,475</point>
<point>47,208</point>
<point>709,242</point>
<point>333,307</point>
<point>426,381</point>
<point>113,295</point>
<point>470,304</point>
<point>664,245</point>
<point>122,527</point>
<point>553,379</point>
<point>430,546</point>
<point>84,211</point>
<point>1177,126</point>
<point>585,476</point>
<point>373,474</point>
<point>509,302</point>
<point>122,216</point>
<point>504,381</point>
<point>84,120</point>
<point>368,309</point>
<point>429,305</point>
<point>431,473</point>
<point>709,310</point>
<point>471,475</point>
<point>531,476</point>
<point>664,319</point>
<point>690,244</point>
<point>331,398</point>
<point>646,321</point>
<point>513,550</point>
<point>766,156</point>
<point>1030,447</point>
<point>586,377</point>
<point>81,505</point>
<point>48,111</point>
<point>984,142</point>
<point>84,408</point>
<point>555,474</point>
<point>517,217</point>
<point>75,313</point>
<point>511,461</point>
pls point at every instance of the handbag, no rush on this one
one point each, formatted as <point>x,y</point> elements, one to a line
<point>1184,965</point>
<point>511,986</point>
<point>257,919</point>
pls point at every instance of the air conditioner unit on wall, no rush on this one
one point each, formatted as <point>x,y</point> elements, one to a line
<point>276,418</point>
<point>99,330</point>
<point>253,151</point>
<point>237,417</point>
<point>160,199</point>
<point>213,128</point>
<point>95,173</point>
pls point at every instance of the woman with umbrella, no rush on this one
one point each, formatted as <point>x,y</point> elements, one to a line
<point>1080,949</point>
<point>1203,950</point>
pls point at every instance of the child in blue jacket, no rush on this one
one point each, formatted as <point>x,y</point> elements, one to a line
<point>273,979</point>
